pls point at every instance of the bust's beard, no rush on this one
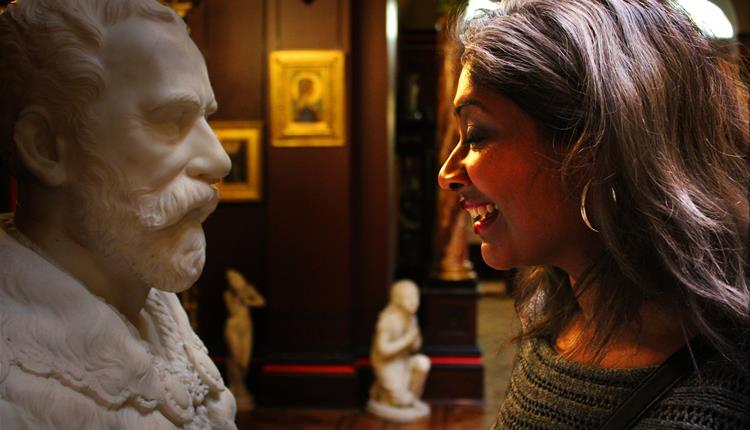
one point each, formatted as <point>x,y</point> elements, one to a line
<point>142,232</point>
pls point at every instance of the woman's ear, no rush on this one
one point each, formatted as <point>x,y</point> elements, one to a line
<point>39,148</point>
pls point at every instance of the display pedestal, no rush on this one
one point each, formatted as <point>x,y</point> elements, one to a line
<point>448,317</point>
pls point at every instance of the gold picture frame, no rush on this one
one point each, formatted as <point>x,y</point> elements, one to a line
<point>307,98</point>
<point>242,142</point>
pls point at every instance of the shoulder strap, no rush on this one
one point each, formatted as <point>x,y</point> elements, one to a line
<point>651,389</point>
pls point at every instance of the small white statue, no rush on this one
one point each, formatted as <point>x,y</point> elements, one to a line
<point>238,332</point>
<point>400,371</point>
<point>103,122</point>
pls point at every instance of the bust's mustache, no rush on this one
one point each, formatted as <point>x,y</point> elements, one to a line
<point>161,209</point>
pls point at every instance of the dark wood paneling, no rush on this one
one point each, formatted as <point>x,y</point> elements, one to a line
<point>742,9</point>
<point>309,249</point>
<point>309,209</point>
<point>236,238</point>
<point>303,390</point>
<point>444,417</point>
<point>320,246</point>
<point>455,382</point>
<point>322,24</point>
<point>5,193</point>
<point>744,41</point>
<point>236,57</point>
<point>231,35</point>
<point>196,22</point>
<point>418,14</point>
<point>330,249</point>
<point>448,316</point>
<point>374,238</point>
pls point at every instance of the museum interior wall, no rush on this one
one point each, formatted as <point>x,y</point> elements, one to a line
<point>333,226</point>
<point>322,244</point>
<point>299,244</point>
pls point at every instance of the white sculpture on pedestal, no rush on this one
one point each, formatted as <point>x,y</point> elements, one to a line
<point>400,372</point>
<point>238,332</point>
<point>103,122</point>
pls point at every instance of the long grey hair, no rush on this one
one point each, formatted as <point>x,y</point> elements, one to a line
<point>638,105</point>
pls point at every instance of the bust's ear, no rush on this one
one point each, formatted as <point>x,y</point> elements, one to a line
<point>40,149</point>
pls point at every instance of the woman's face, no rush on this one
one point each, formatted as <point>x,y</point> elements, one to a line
<point>509,181</point>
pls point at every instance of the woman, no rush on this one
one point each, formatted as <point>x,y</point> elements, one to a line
<point>604,148</point>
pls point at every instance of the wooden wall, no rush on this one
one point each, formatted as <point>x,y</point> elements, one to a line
<point>231,35</point>
<point>742,11</point>
<point>318,245</point>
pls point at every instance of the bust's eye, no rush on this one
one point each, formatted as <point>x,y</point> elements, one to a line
<point>173,120</point>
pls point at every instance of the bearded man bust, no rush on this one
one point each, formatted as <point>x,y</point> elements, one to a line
<point>103,123</point>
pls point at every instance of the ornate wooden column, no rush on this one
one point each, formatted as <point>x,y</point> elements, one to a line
<point>450,295</point>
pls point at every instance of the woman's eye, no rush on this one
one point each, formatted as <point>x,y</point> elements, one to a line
<point>474,138</point>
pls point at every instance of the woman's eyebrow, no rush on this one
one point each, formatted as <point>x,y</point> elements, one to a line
<point>468,102</point>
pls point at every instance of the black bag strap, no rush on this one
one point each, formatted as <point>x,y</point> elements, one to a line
<point>650,390</point>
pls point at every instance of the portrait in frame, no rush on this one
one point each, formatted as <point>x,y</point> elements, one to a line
<point>307,100</point>
<point>242,142</point>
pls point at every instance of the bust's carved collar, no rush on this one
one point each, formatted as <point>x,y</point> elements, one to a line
<point>52,327</point>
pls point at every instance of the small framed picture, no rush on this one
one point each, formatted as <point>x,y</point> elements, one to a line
<point>242,142</point>
<point>307,98</point>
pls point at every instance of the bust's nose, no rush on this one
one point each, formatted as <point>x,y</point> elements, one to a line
<point>210,161</point>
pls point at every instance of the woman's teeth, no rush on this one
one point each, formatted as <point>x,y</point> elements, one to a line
<point>479,213</point>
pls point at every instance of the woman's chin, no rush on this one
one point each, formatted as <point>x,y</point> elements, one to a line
<point>496,257</point>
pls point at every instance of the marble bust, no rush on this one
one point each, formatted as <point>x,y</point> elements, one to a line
<point>103,124</point>
<point>238,332</point>
<point>400,371</point>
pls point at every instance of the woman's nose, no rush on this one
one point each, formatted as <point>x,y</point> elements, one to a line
<point>453,175</point>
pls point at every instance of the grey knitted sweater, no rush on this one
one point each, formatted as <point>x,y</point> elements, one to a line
<point>549,392</point>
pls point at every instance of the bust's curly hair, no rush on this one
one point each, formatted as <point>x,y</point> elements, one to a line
<point>638,104</point>
<point>49,58</point>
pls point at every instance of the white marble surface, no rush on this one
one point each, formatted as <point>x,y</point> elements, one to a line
<point>238,333</point>
<point>118,167</point>
<point>400,370</point>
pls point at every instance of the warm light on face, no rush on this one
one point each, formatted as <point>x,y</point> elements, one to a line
<point>711,20</point>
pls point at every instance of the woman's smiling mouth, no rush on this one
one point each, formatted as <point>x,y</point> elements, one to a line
<point>483,214</point>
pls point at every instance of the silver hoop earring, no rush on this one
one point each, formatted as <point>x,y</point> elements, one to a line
<point>583,208</point>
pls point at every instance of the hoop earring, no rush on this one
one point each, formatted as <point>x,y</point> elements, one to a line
<point>584,217</point>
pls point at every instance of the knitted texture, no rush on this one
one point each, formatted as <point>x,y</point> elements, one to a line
<point>549,392</point>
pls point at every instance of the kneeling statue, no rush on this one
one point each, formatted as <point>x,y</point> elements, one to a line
<point>400,372</point>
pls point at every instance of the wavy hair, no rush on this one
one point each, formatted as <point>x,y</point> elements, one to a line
<point>639,105</point>
<point>48,58</point>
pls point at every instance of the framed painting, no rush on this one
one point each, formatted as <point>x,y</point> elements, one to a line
<point>242,142</point>
<point>307,98</point>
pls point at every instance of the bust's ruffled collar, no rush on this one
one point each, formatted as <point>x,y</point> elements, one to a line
<point>52,327</point>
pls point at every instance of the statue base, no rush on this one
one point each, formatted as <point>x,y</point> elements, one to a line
<point>409,414</point>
